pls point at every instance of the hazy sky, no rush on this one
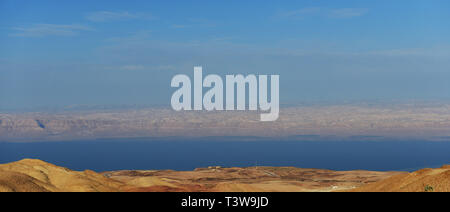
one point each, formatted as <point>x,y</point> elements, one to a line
<point>57,53</point>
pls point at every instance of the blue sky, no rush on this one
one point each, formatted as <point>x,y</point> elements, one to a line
<point>59,53</point>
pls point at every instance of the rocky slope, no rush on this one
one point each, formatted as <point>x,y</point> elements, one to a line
<point>437,180</point>
<point>36,175</point>
<point>252,179</point>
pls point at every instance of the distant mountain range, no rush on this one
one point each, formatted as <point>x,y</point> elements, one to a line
<point>308,122</point>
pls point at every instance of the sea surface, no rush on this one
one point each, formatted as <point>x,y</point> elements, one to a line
<point>106,155</point>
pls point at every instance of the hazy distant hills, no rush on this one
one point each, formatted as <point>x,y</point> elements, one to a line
<point>331,122</point>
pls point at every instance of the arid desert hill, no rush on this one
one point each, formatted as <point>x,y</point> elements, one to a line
<point>39,176</point>
<point>437,180</point>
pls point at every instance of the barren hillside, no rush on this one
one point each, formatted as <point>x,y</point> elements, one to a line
<point>36,175</point>
<point>437,180</point>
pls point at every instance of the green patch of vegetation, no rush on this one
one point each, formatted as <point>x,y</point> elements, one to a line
<point>429,188</point>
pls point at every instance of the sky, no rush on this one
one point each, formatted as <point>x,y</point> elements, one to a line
<point>57,53</point>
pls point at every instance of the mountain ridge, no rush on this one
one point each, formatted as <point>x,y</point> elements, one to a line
<point>39,176</point>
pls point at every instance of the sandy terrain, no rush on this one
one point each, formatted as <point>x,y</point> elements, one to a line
<point>251,179</point>
<point>38,176</point>
<point>437,180</point>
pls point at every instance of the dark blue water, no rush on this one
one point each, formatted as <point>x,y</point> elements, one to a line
<point>188,155</point>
